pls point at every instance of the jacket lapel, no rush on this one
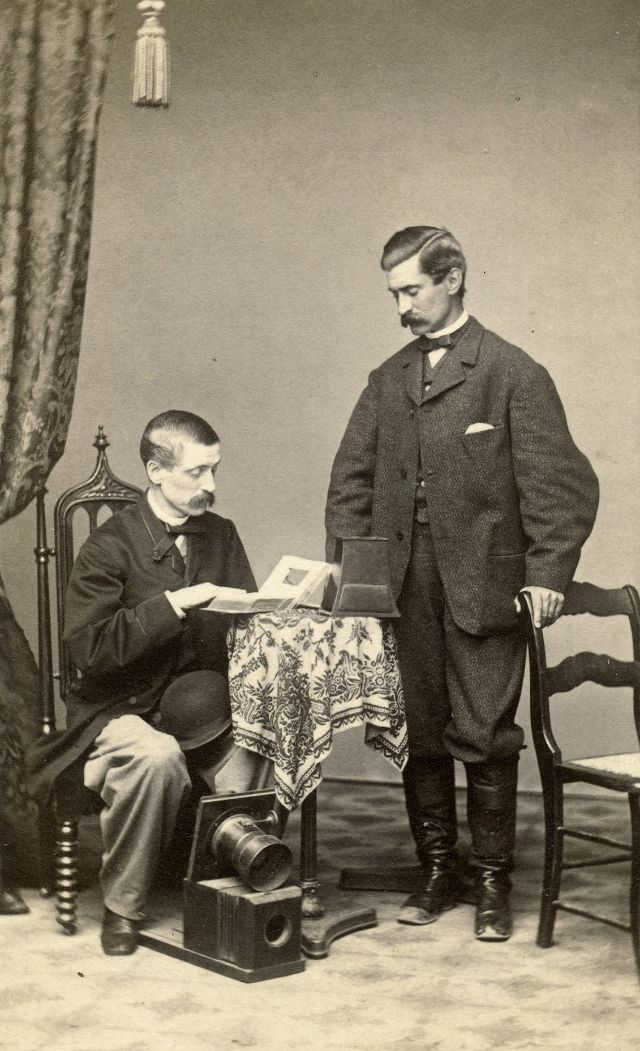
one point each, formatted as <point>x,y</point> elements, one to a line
<point>195,544</point>
<point>412,372</point>
<point>448,374</point>
<point>162,543</point>
<point>451,371</point>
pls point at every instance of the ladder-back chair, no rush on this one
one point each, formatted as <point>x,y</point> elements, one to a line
<point>70,800</point>
<point>619,773</point>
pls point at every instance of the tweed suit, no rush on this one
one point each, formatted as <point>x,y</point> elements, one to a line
<point>508,507</point>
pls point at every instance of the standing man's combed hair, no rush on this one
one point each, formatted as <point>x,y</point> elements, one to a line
<point>438,248</point>
<point>163,433</point>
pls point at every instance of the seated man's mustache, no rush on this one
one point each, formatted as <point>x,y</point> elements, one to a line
<point>203,501</point>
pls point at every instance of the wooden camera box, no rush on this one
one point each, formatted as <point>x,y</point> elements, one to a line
<point>257,932</point>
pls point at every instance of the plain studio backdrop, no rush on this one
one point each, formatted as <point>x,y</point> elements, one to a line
<point>237,235</point>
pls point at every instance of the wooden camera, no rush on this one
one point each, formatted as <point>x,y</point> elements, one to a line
<point>240,919</point>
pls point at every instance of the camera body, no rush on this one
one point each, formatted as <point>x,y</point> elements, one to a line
<point>237,913</point>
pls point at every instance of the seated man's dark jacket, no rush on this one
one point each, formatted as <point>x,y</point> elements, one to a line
<point>124,635</point>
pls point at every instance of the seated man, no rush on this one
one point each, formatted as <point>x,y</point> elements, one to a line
<point>147,653</point>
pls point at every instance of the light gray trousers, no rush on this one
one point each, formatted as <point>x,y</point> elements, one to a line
<point>141,775</point>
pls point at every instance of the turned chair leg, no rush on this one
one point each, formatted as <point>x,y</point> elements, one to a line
<point>67,873</point>
<point>47,832</point>
<point>553,853</point>
<point>634,896</point>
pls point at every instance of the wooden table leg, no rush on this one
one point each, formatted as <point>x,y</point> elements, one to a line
<point>311,905</point>
<point>318,929</point>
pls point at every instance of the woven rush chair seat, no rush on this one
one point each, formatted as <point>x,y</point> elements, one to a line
<point>624,767</point>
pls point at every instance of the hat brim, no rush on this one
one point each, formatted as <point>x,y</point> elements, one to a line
<point>207,736</point>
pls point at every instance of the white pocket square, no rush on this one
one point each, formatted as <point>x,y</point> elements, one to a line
<point>473,428</point>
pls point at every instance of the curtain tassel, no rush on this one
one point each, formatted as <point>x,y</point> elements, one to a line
<point>151,68</point>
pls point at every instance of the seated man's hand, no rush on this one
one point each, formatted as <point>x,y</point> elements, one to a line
<point>547,605</point>
<point>189,598</point>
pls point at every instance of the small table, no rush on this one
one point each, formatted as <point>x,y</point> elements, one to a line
<point>296,679</point>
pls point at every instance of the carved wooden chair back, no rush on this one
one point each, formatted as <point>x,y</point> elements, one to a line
<point>100,490</point>
<point>619,773</point>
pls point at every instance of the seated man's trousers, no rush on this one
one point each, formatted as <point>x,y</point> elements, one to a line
<point>141,775</point>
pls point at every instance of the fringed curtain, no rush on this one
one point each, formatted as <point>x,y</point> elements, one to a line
<point>53,58</point>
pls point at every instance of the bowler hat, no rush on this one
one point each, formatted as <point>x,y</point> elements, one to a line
<point>195,708</point>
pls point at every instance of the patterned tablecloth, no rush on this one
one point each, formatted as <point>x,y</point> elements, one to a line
<point>297,678</point>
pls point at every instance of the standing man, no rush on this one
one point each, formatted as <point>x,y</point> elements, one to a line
<point>458,451</point>
<point>152,664</point>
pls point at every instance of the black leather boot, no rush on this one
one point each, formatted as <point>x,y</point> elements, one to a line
<point>494,920</point>
<point>491,802</point>
<point>431,806</point>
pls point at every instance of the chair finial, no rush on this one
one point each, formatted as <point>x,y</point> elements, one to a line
<point>101,442</point>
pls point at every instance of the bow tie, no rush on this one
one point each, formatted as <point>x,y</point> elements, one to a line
<point>438,343</point>
<point>190,525</point>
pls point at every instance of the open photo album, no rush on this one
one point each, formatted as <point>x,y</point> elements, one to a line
<point>294,582</point>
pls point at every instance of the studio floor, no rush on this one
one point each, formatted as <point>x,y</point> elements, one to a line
<point>388,987</point>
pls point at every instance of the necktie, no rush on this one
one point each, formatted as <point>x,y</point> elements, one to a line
<point>438,343</point>
<point>190,525</point>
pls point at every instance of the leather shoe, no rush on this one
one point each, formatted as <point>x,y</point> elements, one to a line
<point>437,895</point>
<point>11,903</point>
<point>119,935</point>
<point>494,922</point>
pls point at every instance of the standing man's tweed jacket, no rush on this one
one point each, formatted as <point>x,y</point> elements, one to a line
<point>509,506</point>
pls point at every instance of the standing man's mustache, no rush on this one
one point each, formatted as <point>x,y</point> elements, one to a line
<point>406,320</point>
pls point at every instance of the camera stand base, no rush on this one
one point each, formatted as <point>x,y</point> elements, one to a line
<point>339,918</point>
<point>173,947</point>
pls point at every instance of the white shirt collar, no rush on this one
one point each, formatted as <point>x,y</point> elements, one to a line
<point>161,514</point>
<point>453,327</point>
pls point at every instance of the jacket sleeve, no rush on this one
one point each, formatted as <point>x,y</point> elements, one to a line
<point>101,633</point>
<point>557,487</point>
<point>238,571</point>
<point>350,497</point>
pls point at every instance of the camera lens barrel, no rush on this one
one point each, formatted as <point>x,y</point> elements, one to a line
<point>262,861</point>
